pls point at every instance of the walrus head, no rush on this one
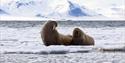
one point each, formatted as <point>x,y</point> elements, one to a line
<point>51,25</point>
<point>80,38</point>
<point>77,32</point>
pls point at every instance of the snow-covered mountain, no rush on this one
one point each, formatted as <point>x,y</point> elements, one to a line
<point>3,12</point>
<point>45,8</point>
<point>58,9</point>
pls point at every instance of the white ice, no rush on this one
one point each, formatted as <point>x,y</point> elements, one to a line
<point>28,40</point>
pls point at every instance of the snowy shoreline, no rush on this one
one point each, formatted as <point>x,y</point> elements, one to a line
<point>85,18</point>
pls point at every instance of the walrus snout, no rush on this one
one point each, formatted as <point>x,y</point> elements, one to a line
<point>76,32</point>
<point>50,25</point>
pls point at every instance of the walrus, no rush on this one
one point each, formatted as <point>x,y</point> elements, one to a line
<point>51,36</point>
<point>80,38</point>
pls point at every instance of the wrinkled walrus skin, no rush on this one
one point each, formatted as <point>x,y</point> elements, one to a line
<point>80,38</point>
<point>51,36</point>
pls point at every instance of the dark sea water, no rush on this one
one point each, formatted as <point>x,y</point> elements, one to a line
<point>88,24</point>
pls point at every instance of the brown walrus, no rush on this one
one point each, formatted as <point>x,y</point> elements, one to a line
<point>51,36</point>
<point>80,38</point>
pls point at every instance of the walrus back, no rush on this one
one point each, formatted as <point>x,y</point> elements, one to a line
<point>89,40</point>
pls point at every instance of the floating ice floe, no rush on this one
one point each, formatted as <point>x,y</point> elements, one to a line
<point>50,50</point>
<point>63,50</point>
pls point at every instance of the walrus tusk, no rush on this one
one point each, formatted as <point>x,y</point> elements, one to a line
<point>54,27</point>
